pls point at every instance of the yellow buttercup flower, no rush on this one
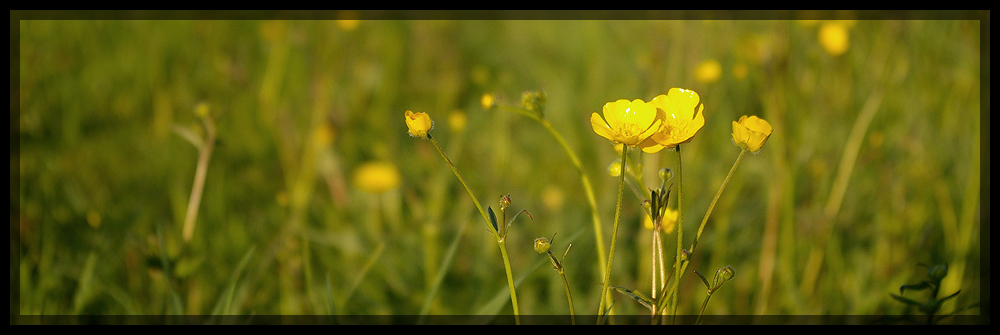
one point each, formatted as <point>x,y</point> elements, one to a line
<point>667,224</point>
<point>376,177</point>
<point>834,38</point>
<point>751,132</point>
<point>708,71</point>
<point>626,122</point>
<point>418,124</point>
<point>488,101</point>
<point>457,120</point>
<point>681,111</point>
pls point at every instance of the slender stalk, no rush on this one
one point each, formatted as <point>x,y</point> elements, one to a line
<point>587,189</point>
<point>465,184</point>
<point>680,235</point>
<point>500,240</point>
<point>614,235</point>
<point>584,179</point>
<point>708,213</point>
<point>204,155</point>
<point>510,280</point>
<point>569,297</point>
<point>702,311</point>
<point>656,236</point>
<point>704,220</point>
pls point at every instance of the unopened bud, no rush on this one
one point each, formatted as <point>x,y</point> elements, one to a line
<point>615,169</point>
<point>534,102</point>
<point>724,274</point>
<point>504,201</point>
<point>666,174</point>
<point>938,272</point>
<point>542,245</point>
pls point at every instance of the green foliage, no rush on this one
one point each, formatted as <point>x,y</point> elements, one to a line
<point>105,165</point>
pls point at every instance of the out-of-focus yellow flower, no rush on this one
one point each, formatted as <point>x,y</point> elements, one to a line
<point>201,110</point>
<point>457,120</point>
<point>668,224</point>
<point>553,198</point>
<point>708,71</point>
<point>418,124</point>
<point>681,111</point>
<point>347,20</point>
<point>626,122</point>
<point>751,132</point>
<point>376,177</point>
<point>833,37</point>
<point>615,169</point>
<point>487,101</point>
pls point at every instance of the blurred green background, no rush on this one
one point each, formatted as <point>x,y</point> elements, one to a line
<point>872,169</point>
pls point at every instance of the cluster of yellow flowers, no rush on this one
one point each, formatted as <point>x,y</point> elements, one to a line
<point>664,122</point>
<point>667,121</point>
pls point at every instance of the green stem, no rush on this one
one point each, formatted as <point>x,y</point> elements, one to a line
<point>680,235</point>
<point>708,213</point>
<point>614,235</point>
<point>510,280</point>
<point>702,312</point>
<point>587,189</point>
<point>467,188</point>
<point>704,220</point>
<point>496,234</point>
<point>569,297</point>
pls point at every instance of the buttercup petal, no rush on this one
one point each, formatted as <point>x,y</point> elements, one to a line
<point>601,127</point>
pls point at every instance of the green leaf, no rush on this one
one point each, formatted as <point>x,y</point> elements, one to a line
<point>905,300</point>
<point>919,287</point>
<point>637,296</point>
<point>223,306</point>
<point>525,211</point>
<point>493,219</point>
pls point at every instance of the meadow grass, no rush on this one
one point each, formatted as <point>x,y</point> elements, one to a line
<point>873,166</point>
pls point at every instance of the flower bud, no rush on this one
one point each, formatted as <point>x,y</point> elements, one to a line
<point>751,133</point>
<point>938,272</point>
<point>542,245</point>
<point>666,174</point>
<point>725,274</point>
<point>504,201</point>
<point>615,169</point>
<point>534,102</point>
<point>418,124</point>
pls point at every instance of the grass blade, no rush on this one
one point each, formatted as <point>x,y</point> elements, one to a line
<point>224,304</point>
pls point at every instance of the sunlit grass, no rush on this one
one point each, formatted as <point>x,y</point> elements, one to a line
<point>873,168</point>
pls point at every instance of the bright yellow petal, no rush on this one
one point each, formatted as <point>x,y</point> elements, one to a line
<point>601,127</point>
<point>759,125</point>
<point>650,146</point>
<point>639,114</point>
<point>740,133</point>
<point>613,112</point>
<point>678,103</point>
<point>653,129</point>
